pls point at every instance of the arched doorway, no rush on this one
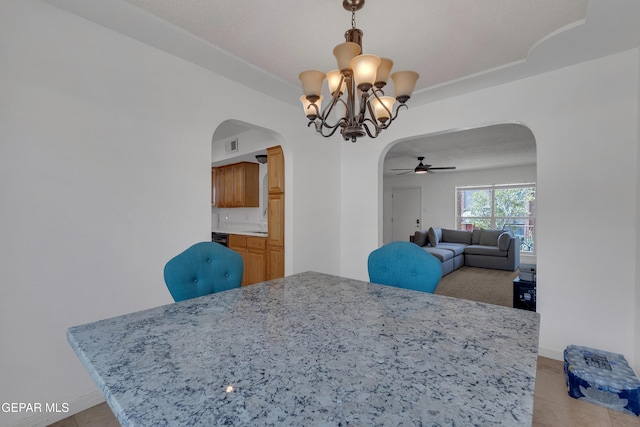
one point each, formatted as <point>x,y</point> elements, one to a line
<point>501,153</point>
<point>247,209</point>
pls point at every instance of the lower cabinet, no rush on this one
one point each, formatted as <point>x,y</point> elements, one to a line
<point>256,269</point>
<point>253,251</point>
<point>275,256</point>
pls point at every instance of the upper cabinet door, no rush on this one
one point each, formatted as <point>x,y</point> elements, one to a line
<point>275,169</point>
<point>214,202</point>
<point>228,187</point>
<point>236,186</point>
<point>237,171</point>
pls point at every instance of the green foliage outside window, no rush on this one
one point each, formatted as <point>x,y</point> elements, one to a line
<point>499,207</point>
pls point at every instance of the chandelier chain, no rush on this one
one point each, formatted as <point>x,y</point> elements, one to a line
<point>353,17</point>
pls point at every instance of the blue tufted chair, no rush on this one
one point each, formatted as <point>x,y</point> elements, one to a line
<point>203,269</point>
<point>404,265</point>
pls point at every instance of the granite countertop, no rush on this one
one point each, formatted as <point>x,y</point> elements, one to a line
<point>315,349</point>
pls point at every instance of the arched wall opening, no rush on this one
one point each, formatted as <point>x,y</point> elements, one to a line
<point>235,141</point>
<point>491,154</point>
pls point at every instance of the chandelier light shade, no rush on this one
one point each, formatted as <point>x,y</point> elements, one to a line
<point>344,52</point>
<point>383,106</point>
<point>403,83</point>
<point>336,82</point>
<point>311,108</point>
<point>364,69</point>
<point>312,83</point>
<point>382,76</point>
<point>357,85</point>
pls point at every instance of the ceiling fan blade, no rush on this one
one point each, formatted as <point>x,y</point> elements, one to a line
<point>401,169</point>
<point>404,173</point>
<point>443,167</point>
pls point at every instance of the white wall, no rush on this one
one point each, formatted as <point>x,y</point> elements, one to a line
<point>105,148</point>
<point>438,192</point>
<point>584,119</point>
<point>637,264</point>
<point>105,156</point>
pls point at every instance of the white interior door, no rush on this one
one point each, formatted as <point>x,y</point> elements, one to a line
<point>406,212</point>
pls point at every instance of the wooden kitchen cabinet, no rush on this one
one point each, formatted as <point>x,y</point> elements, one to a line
<point>236,185</point>
<point>213,187</point>
<point>217,187</point>
<point>275,169</point>
<point>252,249</point>
<point>227,173</point>
<point>275,237</point>
<point>276,219</point>
<point>275,266</point>
<point>257,257</point>
<point>238,243</point>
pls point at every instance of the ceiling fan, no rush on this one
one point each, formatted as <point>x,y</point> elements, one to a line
<point>422,168</point>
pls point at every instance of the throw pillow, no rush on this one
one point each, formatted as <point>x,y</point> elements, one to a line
<point>490,237</point>
<point>475,236</point>
<point>456,236</point>
<point>433,237</point>
<point>420,238</point>
<point>503,241</point>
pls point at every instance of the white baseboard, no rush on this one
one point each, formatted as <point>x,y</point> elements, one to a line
<point>551,353</point>
<point>43,419</point>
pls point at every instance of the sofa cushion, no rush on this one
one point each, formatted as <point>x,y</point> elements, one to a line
<point>475,236</point>
<point>442,254</point>
<point>420,238</point>
<point>503,241</point>
<point>484,250</point>
<point>435,235</point>
<point>489,237</point>
<point>456,236</point>
<point>456,248</point>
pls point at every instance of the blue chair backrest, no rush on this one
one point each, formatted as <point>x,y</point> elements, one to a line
<point>404,265</point>
<point>203,269</point>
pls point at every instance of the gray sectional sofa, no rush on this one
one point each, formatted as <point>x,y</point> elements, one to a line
<point>497,249</point>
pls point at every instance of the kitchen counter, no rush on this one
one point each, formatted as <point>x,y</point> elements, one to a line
<point>315,349</point>
<point>242,233</point>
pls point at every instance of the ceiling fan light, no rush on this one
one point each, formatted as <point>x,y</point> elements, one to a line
<point>365,68</point>
<point>312,83</point>
<point>403,84</point>
<point>420,171</point>
<point>383,106</point>
<point>382,75</point>
<point>311,108</point>
<point>344,52</point>
<point>333,79</point>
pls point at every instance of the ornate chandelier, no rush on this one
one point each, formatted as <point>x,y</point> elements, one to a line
<point>362,76</point>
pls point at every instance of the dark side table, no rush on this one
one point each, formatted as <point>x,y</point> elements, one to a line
<point>524,294</point>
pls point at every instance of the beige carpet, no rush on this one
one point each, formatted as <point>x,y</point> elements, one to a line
<point>479,284</point>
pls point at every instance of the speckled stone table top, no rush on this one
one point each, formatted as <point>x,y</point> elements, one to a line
<point>315,350</point>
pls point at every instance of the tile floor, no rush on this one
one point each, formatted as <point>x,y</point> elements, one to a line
<point>552,406</point>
